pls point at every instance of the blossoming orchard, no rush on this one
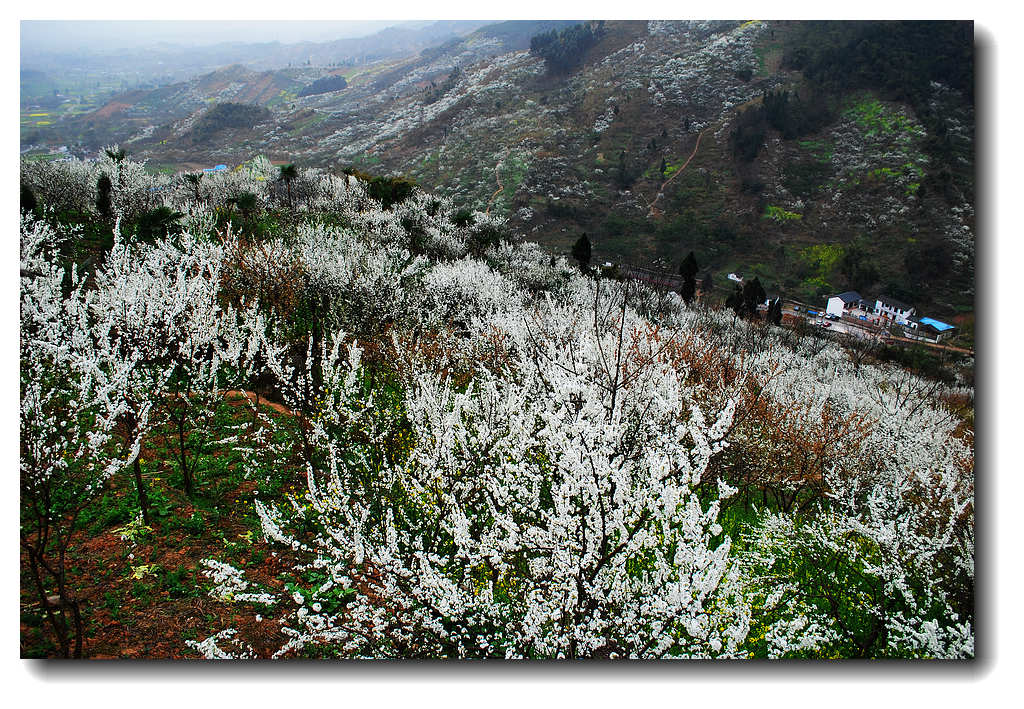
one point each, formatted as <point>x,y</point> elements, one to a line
<point>304,416</point>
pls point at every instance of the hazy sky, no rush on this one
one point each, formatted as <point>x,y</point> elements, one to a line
<point>48,35</point>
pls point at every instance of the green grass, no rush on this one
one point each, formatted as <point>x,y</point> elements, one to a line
<point>778,214</point>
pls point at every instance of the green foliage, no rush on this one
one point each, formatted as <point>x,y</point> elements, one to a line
<point>857,265</point>
<point>581,251</point>
<point>744,300</point>
<point>830,585</point>
<point>920,359</point>
<point>821,259</point>
<point>804,179</point>
<point>482,237</point>
<point>928,260</point>
<point>157,223</point>
<point>900,58</point>
<point>224,116</point>
<point>564,50</point>
<point>119,508</point>
<point>181,583</point>
<point>748,134</point>
<point>778,214</point>
<point>28,199</point>
<point>513,172</point>
<point>324,85</point>
<point>435,92</point>
<point>879,119</point>
<point>463,218</point>
<point>388,190</point>
<point>790,116</point>
<point>104,188</point>
<point>616,224</point>
<point>821,150</point>
<point>563,209</point>
<point>688,268</point>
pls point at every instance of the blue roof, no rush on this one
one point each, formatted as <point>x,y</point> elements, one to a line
<point>940,326</point>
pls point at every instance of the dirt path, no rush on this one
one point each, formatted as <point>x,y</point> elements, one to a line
<point>497,177</point>
<point>251,396</point>
<point>933,345</point>
<point>651,211</point>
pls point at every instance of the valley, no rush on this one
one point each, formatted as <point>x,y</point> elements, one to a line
<point>852,170</point>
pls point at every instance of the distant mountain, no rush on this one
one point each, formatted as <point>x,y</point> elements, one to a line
<point>167,63</point>
<point>817,156</point>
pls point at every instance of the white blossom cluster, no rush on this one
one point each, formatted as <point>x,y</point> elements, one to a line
<point>548,511</point>
<point>210,648</point>
<point>547,475</point>
<point>684,79</point>
<point>230,584</point>
<point>70,389</point>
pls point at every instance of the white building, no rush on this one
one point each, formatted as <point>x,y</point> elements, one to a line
<point>894,310</point>
<point>839,304</point>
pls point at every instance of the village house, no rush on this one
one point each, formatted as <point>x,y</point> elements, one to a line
<point>893,310</point>
<point>888,311</point>
<point>844,302</point>
<point>929,329</point>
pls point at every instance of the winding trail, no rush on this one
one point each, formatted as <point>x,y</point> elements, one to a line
<point>497,177</point>
<point>651,211</point>
<point>255,398</point>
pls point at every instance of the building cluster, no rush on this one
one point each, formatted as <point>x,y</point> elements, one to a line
<point>884,312</point>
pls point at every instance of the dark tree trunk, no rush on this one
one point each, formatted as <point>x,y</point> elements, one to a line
<point>140,488</point>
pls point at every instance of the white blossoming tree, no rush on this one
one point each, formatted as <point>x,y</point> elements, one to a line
<point>161,306</point>
<point>71,400</point>
<point>502,457</point>
<point>880,562</point>
<point>548,510</point>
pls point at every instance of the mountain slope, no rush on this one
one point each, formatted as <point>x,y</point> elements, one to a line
<point>855,172</point>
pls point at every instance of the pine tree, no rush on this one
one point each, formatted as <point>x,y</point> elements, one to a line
<point>104,187</point>
<point>753,295</point>
<point>581,251</point>
<point>689,267</point>
<point>688,270</point>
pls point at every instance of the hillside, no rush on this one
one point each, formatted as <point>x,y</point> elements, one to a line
<point>283,413</point>
<point>859,175</point>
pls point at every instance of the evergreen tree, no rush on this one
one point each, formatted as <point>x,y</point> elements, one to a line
<point>689,267</point>
<point>688,289</point>
<point>288,174</point>
<point>28,199</point>
<point>193,180</point>
<point>104,187</point>
<point>753,295</point>
<point>581,251</point>
<point>688,270</point>
<point>735,301</point>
